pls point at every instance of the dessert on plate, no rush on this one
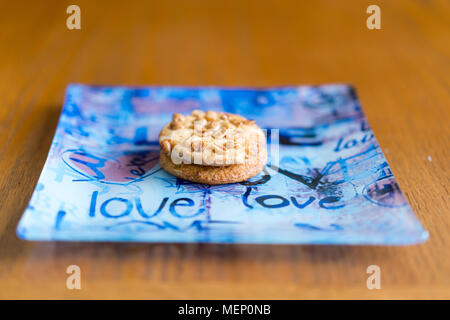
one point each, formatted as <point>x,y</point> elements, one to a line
<point>212,147</point>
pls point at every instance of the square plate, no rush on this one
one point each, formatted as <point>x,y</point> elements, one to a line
<point>326,182</point>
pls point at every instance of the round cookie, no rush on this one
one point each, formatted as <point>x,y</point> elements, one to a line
<point>212,147</point>
<point>211,139</point>
<point>214,174</point>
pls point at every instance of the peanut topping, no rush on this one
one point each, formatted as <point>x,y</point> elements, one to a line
<point>211,115</point>
<point>198,114</point>
<point>166,146</point>
<point>211,138</point>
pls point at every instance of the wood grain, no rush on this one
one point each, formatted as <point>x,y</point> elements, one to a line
<point>401,73</point>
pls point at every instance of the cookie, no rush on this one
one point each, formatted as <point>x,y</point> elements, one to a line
<point>211,139</point>
<point>212,147</point>
<point>213,174</point>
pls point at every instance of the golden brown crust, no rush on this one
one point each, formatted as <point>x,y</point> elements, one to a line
<point>215,175</point>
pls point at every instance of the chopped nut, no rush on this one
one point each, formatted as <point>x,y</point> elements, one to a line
<point>236,121</point>
<point>166,146</point>
<point>211,115</point>
<point>214,125</point>
<point>175,125</point>
<point>198,114</point>
<point>177,117</point>
<point>177,122</point>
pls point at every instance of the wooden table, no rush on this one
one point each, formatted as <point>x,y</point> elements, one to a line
<point>401,73</point>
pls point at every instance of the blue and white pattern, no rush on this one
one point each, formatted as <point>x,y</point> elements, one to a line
<point>326,182</point>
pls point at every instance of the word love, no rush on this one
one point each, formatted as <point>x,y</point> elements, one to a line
<point>118,207</point>
<point>350,143</point>
<point>273,201</point>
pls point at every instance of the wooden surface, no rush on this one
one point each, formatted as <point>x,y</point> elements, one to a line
<point>402,76</point>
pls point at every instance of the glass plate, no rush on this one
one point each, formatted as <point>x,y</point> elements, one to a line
<point>326,182</point>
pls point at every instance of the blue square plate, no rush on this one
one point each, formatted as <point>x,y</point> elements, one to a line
<point>326,182</point>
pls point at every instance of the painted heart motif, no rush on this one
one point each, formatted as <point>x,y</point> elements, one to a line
<point>123,168</point>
